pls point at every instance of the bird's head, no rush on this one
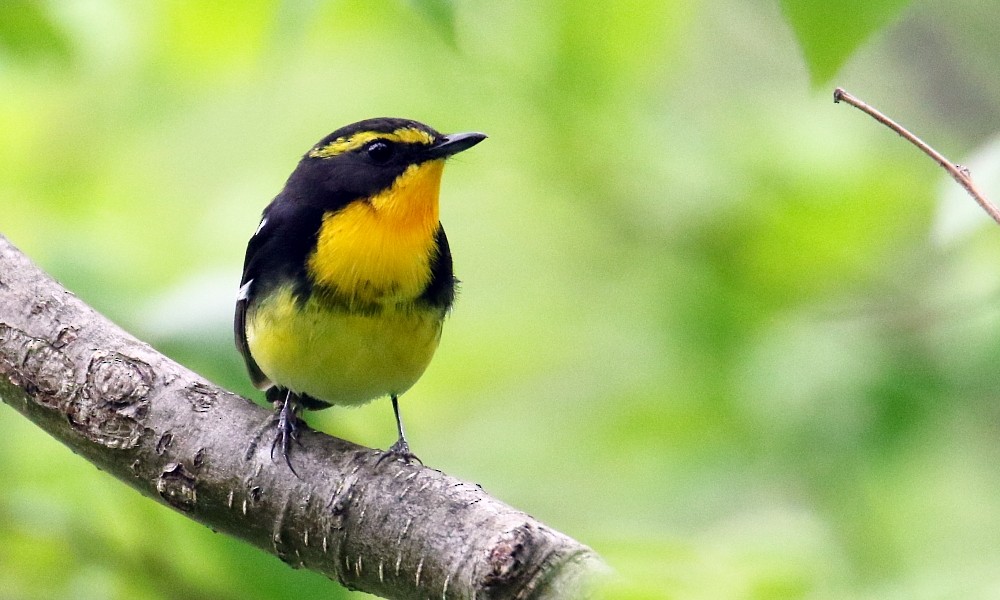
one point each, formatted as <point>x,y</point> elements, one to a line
<point>365,159</point>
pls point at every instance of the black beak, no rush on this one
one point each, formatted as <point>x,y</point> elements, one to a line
<point>455,143</point>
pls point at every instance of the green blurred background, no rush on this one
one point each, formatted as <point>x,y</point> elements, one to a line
<point>741,340</point>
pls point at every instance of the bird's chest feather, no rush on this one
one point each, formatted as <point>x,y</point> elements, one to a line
<point>380,249</point>
<point>341,357</point>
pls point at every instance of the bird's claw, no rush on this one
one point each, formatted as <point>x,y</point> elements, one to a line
<point>399,451</point>
<point>287,429</point>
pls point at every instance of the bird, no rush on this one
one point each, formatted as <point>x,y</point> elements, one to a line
<point>348,278</point>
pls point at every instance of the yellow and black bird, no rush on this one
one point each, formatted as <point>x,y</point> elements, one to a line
<point>348,278</point>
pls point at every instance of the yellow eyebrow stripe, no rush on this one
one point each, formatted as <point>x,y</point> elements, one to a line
<point>406,135</point>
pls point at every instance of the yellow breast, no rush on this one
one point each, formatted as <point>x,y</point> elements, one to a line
<point>338,356</point>
<point>381,249</point>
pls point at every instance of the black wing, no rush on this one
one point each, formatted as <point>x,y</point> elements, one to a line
<point>440,292</point>
<point>276,255</point>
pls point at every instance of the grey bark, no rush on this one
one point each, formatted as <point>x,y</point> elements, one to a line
<point>392,529</point>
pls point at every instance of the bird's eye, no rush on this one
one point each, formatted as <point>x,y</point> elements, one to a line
<point>379,151</point>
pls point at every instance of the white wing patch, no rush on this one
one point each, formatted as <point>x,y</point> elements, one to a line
<point>261,226</point>
<point>244,291</point>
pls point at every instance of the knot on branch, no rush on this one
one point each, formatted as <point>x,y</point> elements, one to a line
<point>507,556</point>
<point>107,408</point>
<point>36,366</point>
<point>116,379</point>
<point>176,485</point>
<point>113,403</point>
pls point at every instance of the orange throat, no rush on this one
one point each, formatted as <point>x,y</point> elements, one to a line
<point>380,249</point>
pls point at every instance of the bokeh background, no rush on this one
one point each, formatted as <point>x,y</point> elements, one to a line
<point>742,341</point>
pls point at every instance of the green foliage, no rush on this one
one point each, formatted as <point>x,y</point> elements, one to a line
<point>730,334</point>
<point>441,16</point>
<point>29,33</point>
<point>830,32</point>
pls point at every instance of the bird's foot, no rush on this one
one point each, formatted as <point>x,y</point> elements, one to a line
<point>399,451</point>
<point>287,429</point>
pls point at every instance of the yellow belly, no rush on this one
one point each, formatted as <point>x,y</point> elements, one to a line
<point>337,356</point>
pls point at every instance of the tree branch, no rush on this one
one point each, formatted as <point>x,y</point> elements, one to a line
<point>957,172</point>
<point>392,529</point>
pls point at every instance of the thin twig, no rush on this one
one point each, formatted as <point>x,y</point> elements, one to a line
<point>958,172</point>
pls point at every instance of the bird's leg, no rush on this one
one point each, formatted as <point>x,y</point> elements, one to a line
<point>401,449</point>
<point>287,426</point>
